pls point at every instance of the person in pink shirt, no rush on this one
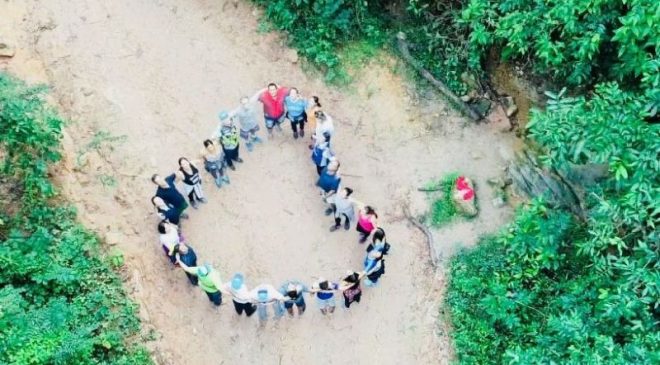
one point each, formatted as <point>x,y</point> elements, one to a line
<point>272,99</point>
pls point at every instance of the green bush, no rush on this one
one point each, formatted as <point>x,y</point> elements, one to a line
<point>554,289</point>
<point>318,29</point>
<point>60,303</point>
<point>572,41</point>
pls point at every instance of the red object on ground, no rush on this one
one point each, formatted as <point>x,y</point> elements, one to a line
<point>461,184</point>
<point>464,188</point>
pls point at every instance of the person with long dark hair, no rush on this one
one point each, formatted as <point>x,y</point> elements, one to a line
<point>367,222</point>
<point>166,211</point>
<point>192,182</point>
<point>214,162</point>
<point>350,288</point>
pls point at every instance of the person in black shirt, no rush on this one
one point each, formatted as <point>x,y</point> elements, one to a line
<point>187,255</point>
<point>166,211</point>
<point>167,191</point>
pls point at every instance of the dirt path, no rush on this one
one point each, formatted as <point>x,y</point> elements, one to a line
<point>157,72</point>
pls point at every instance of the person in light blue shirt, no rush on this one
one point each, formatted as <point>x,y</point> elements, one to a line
<point>293,293</point>
<point>265,296</point>
<point>296,107</point>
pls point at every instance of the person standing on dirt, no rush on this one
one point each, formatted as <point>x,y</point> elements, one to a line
<point>325,295</point>
<point>296,108</point>
<point>350,287</point>
<point>379,242</point>
<point>214,162</point>
<point>342,205</point>
<point>166,211</point>
<point>293,293</point>
<point>272,99</point>
<point>329,182</point>
<point>265,296</point>
<point>184,253</point>
<point>240,295</point>
<point>228,135</point>
<point>247,123</point>
<point>192,182</point>
<point>367,222</point>
<point>209,281</point>
<point>322,155</point>
<point>374,267</point>
<point>167,191</point>
<point>324,129</point>
<point>314,106</point>
<point>169,238</point>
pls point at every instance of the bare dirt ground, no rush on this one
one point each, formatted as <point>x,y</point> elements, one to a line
<point>157,72</point>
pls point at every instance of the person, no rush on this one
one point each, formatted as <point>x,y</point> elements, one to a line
<point>367,222</point>
<point>192,182</point>
<point>214,162</point>
<point>296,107</point>
<point>322,155</point>
<point>316,106</point>
<point>350,287</point>
<point>324,129</point>
<point>293,295</point>
<point>166,211</point>
<point>264,296</point>
<point>329,180</point>
<point>272,99</point>
<point>374,267</point>
<point>228,135</point>
<point>167,191</point>
<point>342,205</point>
<point>168,236</point>
<point>209,281</point>
<point>379,242</point>
<point>325,295</point>
<point>184,253</point>
<point>240,295</point>
<point>247,123</point>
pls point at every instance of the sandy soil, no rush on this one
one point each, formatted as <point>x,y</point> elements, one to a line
<point>157,72</point>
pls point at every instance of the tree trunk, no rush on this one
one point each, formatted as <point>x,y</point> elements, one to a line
<point>444,90</point>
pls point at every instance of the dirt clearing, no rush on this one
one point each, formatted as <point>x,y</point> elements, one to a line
<point>142,82</point>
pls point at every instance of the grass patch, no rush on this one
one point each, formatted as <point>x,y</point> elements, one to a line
<point>443,208</point>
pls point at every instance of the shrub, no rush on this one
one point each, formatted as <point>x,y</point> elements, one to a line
<point>319,28</point>
<point>554,289</point>
<point>60,303</point>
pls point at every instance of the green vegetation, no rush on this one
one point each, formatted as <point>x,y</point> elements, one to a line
<point>317,28</point>
<point>60,302</point>
<point>553,287</point>
<point>443,207</point>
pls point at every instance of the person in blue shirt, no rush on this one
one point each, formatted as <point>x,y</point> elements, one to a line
<point>296,108</point>
<point>325,295</point>
<point>293,293</point>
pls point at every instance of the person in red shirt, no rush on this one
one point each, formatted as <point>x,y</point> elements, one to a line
<point>272,98</point>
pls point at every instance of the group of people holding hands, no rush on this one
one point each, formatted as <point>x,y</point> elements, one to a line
<point>221,151</point>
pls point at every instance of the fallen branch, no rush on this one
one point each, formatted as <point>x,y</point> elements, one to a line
<point>429,190</point>
<point>426,231</point>
<point>444,90</point>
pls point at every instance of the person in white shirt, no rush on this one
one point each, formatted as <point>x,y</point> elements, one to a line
<point>265,295</point>
<point>240,295</point>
